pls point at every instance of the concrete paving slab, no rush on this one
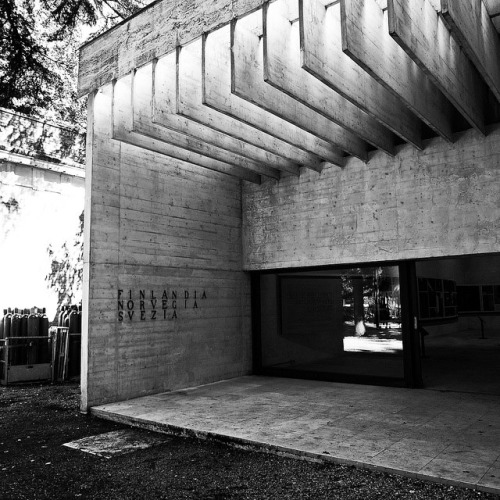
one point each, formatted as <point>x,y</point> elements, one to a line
<point>392,459</point>
<point>492,478</point>
<point>441,436</point>
<point>115,443</point>
<point>453,470</point>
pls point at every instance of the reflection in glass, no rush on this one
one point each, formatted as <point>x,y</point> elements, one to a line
<point>345,321</point>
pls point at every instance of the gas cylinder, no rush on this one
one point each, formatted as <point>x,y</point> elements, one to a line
<point>67,312</point>
<point>15,327</point>
<point>80,318</point>
<point>33,331</point>
<point>7,321</point>
<point>24,323</point>
<point>2,319</point>
<point>75,323</point>
<point>43,348</point>
<point>25,349</point>
<point>60,316</point>
<point>15,331</point>
<point>73,320</point>
<point>33,323</point>
<point>44,323</point>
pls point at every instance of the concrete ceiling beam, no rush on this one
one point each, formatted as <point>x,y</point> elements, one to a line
<point>470,22</point>
<point>178,85</point>
<point>247,65</point>
<point>422,34</point>
<point>168,80</point>
<point>124,130</point>
<point>217,82</point>
<point>322,56</point>
<point>142,98</point>
<point>366,39</point>
<point>282,69</point>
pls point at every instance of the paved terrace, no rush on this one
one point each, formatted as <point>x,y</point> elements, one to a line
<point>441,436</point>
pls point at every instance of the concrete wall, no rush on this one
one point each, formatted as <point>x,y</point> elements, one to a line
<point>441,201</point>
<point>155,225</point>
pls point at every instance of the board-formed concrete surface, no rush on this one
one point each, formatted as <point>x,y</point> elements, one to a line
<point>441,436</point>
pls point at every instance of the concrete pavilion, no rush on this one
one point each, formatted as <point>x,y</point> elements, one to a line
<point>297,188</point>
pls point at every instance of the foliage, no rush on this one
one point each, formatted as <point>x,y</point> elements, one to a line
<point>12,204</point>
<point>9,211</point>
<point>38,138</point>
<point>66,274</point>
<point>39,42</point>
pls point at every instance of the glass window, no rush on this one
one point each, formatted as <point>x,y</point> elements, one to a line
<point>344,321</point>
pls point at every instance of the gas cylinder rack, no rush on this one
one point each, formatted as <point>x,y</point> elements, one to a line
<point>30,352</point>
<point>67,343</point>
<point>25,346</point>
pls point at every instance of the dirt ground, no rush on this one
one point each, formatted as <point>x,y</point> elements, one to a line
<point>36,420</point>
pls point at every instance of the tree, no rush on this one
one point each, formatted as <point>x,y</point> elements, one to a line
<point>39,42</point>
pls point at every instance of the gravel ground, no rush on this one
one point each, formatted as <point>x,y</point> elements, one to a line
<point>36,420</point>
